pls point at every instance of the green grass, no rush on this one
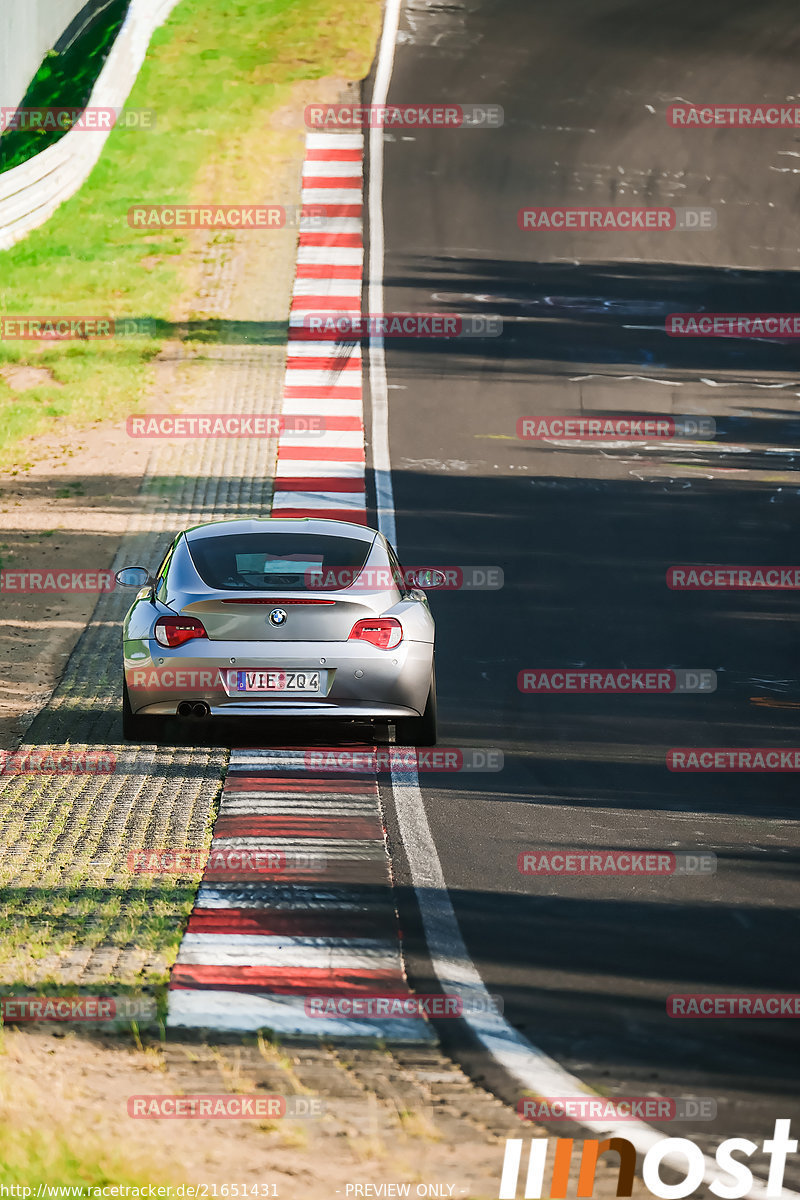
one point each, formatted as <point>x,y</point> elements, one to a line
<point>39,1155</point>
<point>213,75</point>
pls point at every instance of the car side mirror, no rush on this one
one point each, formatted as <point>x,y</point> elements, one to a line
<point>133,577</point>
<point>426,577</point>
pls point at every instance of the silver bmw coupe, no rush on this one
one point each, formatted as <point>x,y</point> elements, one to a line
<point>287,618</point>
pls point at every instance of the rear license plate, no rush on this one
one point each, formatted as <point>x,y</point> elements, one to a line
<point>275,681</point>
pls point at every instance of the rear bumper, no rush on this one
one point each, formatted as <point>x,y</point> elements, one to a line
<point>361,682</point>
<point>301,710</point>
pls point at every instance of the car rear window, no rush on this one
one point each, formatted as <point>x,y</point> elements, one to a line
<point>267,562</point>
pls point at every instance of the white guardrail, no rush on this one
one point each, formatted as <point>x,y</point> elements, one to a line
<point>31,192</point>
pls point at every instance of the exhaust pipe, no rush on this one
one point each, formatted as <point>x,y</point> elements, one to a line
<point>193,708</point>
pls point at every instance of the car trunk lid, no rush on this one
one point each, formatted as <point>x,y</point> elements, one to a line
<point>283,617</point>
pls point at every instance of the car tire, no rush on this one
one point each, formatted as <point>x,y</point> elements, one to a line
<point>137,729</point>
<point>419,731</point>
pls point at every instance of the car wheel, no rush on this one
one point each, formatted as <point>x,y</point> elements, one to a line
<point>137,729</point>
<point>419,731</point>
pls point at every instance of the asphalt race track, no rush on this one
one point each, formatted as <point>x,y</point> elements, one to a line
<point>585,534</point>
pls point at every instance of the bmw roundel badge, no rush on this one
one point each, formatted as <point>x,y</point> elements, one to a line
<point>277,617</point>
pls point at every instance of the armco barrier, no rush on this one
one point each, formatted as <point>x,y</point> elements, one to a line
<point>28,29</point>
<point>31,192</point>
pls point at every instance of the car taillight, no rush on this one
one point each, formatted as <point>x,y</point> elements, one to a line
<point>174,631</point>
<point>383,632</point>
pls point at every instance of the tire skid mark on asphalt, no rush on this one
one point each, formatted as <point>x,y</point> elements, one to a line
<point>296,898</point>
